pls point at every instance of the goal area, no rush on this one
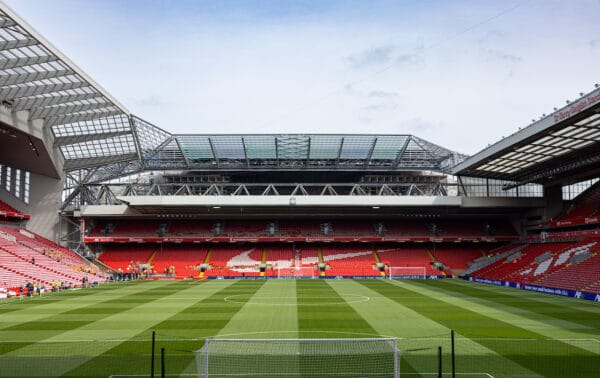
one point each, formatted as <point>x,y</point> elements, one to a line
<point>407,272</point>
<point>298,272</point>
<point>338,357</point>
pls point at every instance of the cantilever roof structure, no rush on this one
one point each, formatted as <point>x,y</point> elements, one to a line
<point>567,142</point>
<point>88,124</point>
<point>162,150</point>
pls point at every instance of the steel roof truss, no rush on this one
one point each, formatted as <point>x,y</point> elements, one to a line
<point>68,108</point>
<point>37,88</point>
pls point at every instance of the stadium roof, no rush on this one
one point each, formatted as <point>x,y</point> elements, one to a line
<point>565,144</point>
<point>161,150</point>
<point>88,124</point>
<point>100,140</point>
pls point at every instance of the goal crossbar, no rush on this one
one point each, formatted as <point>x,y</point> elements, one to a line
<point>298,272</point>
<point>310,357</point>
<point>418,272</point>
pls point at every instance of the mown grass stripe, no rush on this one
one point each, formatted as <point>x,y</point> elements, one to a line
<point>36,307</point>
<point>38,327</point>
<point>568,333</point>
<point>203,315</point>
<point>392,319</point>
<point>322,312</point>
<point>556,361</point>
<point>539,299</point>
<point>33,303</point>
<point>555,316</point>
<point>271,311</point>
<point>419,336</point>
<point>74,353</point>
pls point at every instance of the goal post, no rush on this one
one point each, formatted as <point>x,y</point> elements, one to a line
<point>338,357</point>
<point>300,272</point>
<point>414,272</point>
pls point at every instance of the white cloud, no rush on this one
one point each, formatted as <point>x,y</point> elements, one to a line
<point>373,56</point>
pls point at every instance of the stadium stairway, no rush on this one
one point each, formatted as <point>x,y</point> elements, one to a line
<point>26,256</point>
<point>407,257</point>
<point>321,260</point>
<point>457,257</point>
<point>121,257</point>
<point>555,258</point>
<point>206,262</point>
<point>152,256</point>
<point>575,276</point>
<point>515,261</point>
<point>263,260</point>
<point>182,258</point>
<point>378,261</point>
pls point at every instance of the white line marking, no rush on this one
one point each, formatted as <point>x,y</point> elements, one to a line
<point>257,301</point>
<point>290,374</point>
<point>173,339</point>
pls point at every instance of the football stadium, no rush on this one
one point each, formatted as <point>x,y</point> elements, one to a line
<point>128,250</point>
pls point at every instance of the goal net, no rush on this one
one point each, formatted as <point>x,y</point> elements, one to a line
<point>374,357</point>
<point>300,272</point>
<point>414,272</point>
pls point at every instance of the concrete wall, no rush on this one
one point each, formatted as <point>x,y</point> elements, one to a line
<point>44,204</point>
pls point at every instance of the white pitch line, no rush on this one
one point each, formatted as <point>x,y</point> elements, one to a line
<point>286,374</point>
<point>252,300</point>
<point>285,331</point>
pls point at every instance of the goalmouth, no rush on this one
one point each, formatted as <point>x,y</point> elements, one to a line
<point>407,272</point>
<point>337,357</point>
<point>296,272</point>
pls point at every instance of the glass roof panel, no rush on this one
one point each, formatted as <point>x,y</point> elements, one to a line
<point>585,133</point>
<point>583,144</point>
<point>292,146</point>
<point>571,143</point>
<point>260,146</point>
<point>357,147</point>
<point>170,151</point>
<point>388,147</point>
<point>228,147</point>
<point>195,147</point>
<point>574,132</point>
<point>96,126</point>
<point>325,146</point>
<point>119,145</point>
<point>595,135</point>
<point>149,136</point>
<point>526,148</point>
<point>565,130</point>
<point>588,120</point>
<point>543,140</point>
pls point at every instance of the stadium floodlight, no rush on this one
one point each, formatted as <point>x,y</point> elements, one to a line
<point>411,272</point>
<point>338,357</point>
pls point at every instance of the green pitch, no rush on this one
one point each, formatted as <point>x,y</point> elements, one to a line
<point>106,331</point>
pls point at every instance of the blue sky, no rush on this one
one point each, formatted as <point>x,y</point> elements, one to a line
<point>458,73</point>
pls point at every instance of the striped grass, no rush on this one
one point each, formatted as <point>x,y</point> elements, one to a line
<point>106,331</point>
